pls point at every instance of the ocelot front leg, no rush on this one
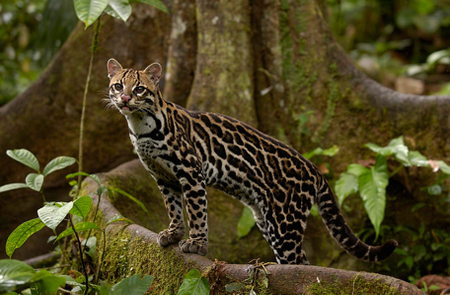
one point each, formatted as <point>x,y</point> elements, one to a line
<point>194,191</point>
<point>173,201</point>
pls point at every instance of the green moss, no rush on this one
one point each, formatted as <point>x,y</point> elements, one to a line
<point>356,286</point>
<point>126,256</point>
<point>332,99</point>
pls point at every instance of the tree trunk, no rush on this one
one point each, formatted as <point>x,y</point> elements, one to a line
<point>266,62</point>
<point>223,81</point>
<point>45,118</point>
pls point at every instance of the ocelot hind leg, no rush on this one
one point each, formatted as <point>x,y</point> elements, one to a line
<point>285,236</point>
<point>288,248</point>
<point>174,206</point>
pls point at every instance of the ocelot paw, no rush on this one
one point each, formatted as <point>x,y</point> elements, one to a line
<point>197,246</point>
<point>168,237</point>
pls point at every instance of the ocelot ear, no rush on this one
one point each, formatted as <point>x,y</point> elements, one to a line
<point>154,72</point>
<point>113,67</point>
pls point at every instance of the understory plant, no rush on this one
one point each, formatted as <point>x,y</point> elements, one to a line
<point>371,182</point>
<point>17,276</point>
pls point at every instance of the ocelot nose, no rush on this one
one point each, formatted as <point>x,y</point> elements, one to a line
<point>126,98</point>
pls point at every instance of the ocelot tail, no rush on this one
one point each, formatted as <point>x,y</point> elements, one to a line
<point>186,151</point>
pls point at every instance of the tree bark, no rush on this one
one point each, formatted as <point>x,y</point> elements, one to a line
<point>223,81</point>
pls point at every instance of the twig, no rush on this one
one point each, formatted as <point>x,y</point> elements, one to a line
<point>83,110</point>
<point>81,255</point>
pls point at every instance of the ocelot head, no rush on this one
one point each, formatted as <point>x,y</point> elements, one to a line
<point>131,90</point>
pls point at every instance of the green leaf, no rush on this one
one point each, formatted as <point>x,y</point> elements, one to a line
<point>47,283</point>
<point>14,273</point>
<point>93,176</point>
<point>81,206</point>
<point>346,185</point>
<point>356,169</point>
<point>105,288</point>
<point>417,207</point>
<point>25,157</point>
<point>12,186</point>
<point>21,234</point>
<point>134,285</point>
<point>395,147</point>
<point>79,227</point>
<point>118,218</point>
<point>246,222</point>
<point>321,152</point>
<point>415,158</point>
<point>91,245</point>
<point>52,215</point>
<point>158,4</point>
<point>119,8</point>
<point>88,11</point>
<point>58,164</point>
<point>35,181</point>
<point>194,283</point>
<point>444,167</point>
<point>372,187</point>
<point>441,56</point>
<point>114,189</point>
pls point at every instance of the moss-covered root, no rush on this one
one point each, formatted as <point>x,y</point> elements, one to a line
<point>356,286</point>
<point>126,255</point>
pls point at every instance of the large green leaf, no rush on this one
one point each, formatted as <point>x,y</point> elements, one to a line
<point>246,222</point>
<point>81,206</point>
<point>52,215</point>
<point>58,164</point>
<point>118,190</point>
<point>79,227</point>
<point>372,187</point>
<point>14,273</point>
<point>25,157</point>
<point>134,285</point>
<point>346,185</point>
<point>194,283</point>
<point>35,181</point>
<point>155,3</point>
<point>21,234</point>
<point>88,11</point>
<point>119,8</point>
<point>12,186</point>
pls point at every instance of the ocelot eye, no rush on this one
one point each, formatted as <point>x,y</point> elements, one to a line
<point>118,86</point>
<point>139,89</point>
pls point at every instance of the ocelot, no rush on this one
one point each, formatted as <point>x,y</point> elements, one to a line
<point>186,151</point>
